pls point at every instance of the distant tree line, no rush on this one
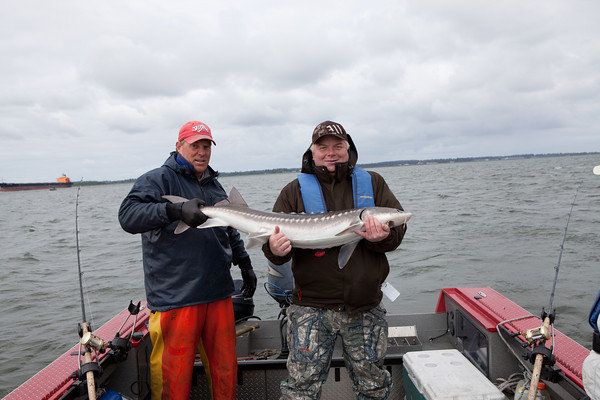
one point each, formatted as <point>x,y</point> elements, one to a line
<point>371,165</point>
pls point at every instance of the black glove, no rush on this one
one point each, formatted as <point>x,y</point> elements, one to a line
<point>191,213</point>
<point>248,276</point>
<point>188,212</point>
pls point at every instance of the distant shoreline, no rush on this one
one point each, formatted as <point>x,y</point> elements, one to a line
<point>373,165</point>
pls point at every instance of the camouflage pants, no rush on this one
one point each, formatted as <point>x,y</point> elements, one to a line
<point>311,337</point>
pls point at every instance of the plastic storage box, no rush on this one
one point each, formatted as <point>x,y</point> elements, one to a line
<point>445,375</point>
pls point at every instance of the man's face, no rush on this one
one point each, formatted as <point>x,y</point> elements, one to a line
<point>197,153</point>
<point>328,151</point>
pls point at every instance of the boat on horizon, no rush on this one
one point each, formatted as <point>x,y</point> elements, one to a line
<point>62,181</point>
<point>472,331</point>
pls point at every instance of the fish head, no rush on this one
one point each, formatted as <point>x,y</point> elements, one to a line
<point>385,215</point>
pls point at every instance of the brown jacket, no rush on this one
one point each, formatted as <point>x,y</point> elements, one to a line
<point>318,281</point>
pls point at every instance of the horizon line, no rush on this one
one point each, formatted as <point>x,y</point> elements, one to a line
<point>372,164</point>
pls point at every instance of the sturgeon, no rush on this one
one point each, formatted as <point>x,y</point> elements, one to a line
<point>305,231</point>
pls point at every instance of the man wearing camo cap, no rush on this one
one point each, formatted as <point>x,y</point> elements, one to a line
<point>329,301</point>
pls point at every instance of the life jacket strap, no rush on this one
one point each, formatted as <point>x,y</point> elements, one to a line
<point>312,195</point>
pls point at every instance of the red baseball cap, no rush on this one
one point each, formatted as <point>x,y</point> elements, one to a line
<point>195,130</point>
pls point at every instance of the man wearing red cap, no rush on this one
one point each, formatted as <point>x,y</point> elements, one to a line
<point>187,276</point>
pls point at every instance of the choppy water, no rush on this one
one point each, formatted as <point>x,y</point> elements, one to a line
<point>494,223</point>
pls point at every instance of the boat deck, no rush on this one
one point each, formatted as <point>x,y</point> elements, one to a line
<point>465,319</point>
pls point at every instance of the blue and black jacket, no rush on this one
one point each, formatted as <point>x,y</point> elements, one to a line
<point>194,266</point>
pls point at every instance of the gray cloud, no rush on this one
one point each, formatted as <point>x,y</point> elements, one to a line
<point>100,89</point>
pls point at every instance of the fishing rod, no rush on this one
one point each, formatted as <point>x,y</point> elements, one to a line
<point>89,367</point>
<point>562,247</point>
<point>537,337</point>
<point>78,257</point>
<point>119,347</point>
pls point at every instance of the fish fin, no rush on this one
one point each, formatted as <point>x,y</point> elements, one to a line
<point>257,239</point>
<point>181,227</point>
<point>345,253</point>
<point>236,199</point>
<point>224,202</point>
<point>212,223</point>
<point>353,227</point>
<point>175,199</point>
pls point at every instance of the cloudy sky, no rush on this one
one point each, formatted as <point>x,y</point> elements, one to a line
<point>99,89</point>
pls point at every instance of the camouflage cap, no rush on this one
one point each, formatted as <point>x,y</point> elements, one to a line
<point>329,128</point>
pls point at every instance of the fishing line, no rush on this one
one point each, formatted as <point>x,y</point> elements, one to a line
<point>78,256</point>
<point>87,299</point>
<point>562,246</point>
<point>82,282</point>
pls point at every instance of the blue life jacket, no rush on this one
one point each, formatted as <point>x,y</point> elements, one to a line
<point>594,314</point>
<point>312,196</point>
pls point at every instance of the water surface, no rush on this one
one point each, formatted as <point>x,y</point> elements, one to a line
<point>488,223</point>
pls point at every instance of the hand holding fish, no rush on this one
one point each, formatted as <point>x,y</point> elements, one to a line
<point>375,231</point>
<point>303,231</point>
<point>279,244</point>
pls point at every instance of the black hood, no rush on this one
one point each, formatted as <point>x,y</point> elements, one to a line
<point>342,170</point>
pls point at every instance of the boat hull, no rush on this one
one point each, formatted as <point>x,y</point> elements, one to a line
<point>15,187</point>
<point>465,319</point>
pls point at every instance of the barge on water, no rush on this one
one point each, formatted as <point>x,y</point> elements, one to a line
<point>61,182</point>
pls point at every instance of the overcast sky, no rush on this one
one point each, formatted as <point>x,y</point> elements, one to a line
<point>99,89</point>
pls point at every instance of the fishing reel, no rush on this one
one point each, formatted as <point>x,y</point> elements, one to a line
<point>535,335</point>
<point>536,339</point>
<point>89,342</point>
<point>119,346</point>
<point>88,339</point>
<point>539,335</point>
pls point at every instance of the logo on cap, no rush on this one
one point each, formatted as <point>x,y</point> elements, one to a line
<point>195,130</point>
<point>200,128</point>
<point>329,128</point>
<point>335,129</point>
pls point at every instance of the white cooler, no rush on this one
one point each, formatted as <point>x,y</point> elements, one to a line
<point>445,375</point>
